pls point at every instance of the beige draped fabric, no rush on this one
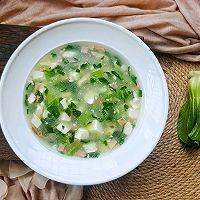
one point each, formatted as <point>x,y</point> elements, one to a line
<point>169,26</point>
<point>18,182</point>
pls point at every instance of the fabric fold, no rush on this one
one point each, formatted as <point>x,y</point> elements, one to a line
<point>167,26</point>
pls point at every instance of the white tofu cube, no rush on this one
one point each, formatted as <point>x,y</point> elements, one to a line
<point>89,97</point>
<point>69,54</point>
<point>64,103</point>
<point>82,134</point>
<point>96,127</point>
<point>36,120</point>
<point>65,117</point>
<point>128,128</point>
<point>31,98</point>
<point>39,110</point>
<point>124,67</point>
<point>84,49</point>
<point>133,113</point>
<point>63,128</point>
<point>45,114</point>
<point>90,147</point>
<point>83,79</point>
<point>73,76</point>
<point>135,103</point>
<point>38,75</point>
<point>112,143</point>
<point>41,88</point>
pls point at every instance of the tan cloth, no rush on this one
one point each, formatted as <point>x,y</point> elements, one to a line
<point>18,182</point>
<point>167,26</point>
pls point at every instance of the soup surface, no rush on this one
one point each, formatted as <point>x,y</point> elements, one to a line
<point>82,99</point>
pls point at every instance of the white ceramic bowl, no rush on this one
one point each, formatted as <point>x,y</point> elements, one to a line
<point>72,170</point>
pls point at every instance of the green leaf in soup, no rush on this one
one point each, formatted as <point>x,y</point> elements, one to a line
<point>85,118</point>
<point>103,80</point>
<point>123,93</point>
<point>49,74</point>
<point>63,86</point>
<point>108,110</point>
<point>53,108</point>
<point>59,70</point>
<point>72,148</point>
<point>69,47</point>
<point>84,66</point>
<point>76,113</point>
<point>53,55</point>
<point>96,66</point>
<point>93,154</point>
<point>93,80</point>
<point>116,74</point>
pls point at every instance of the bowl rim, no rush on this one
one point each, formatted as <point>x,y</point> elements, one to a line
<point>74,20</point>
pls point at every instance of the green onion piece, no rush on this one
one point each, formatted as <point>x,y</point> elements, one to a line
<point>96,66</point>
<point>53,55</point>
<point>116,74</point>
<point>103,80</point>
<point>93,155</point>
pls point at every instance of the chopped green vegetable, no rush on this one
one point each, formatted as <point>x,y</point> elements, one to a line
<point>126,107</point>
<point>124,93</point>
<point>92,80</point>
<point>84,66</point>
<point>93,155</point>
<point>96,66</point>
<point>116,74</point>
<point>189,116</point>
<point>53,55</point>
<point>103,80</point>
<point>139,93</point>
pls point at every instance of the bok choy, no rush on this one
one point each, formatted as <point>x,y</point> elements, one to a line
<point>189,117</point>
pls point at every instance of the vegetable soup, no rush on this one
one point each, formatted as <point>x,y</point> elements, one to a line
<point>82,99</point>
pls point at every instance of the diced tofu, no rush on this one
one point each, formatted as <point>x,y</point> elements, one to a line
<point>64,103</point>
<point>31,98</point>
<point>112,143</point>
<point>97,55</point>
<point>124,67</point>
<point>133,113</point>
<point>53,65</point>
<point>135,103</point>
<point>84,49</point>
<point>38,75</point>
<point>63,128</point>
<point>83,79</point>
<point>69,54</point>
<point>65,117</point>
<point>73,76</point>
<point>45,114</point>
<point>90,147</point>
<point>39,110</point>
<point>41,88</point>
<point>96,127</point>
<point>82,134</point>
<point>128,128</point>
<point>36,120</point>
<point>90,97</point>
